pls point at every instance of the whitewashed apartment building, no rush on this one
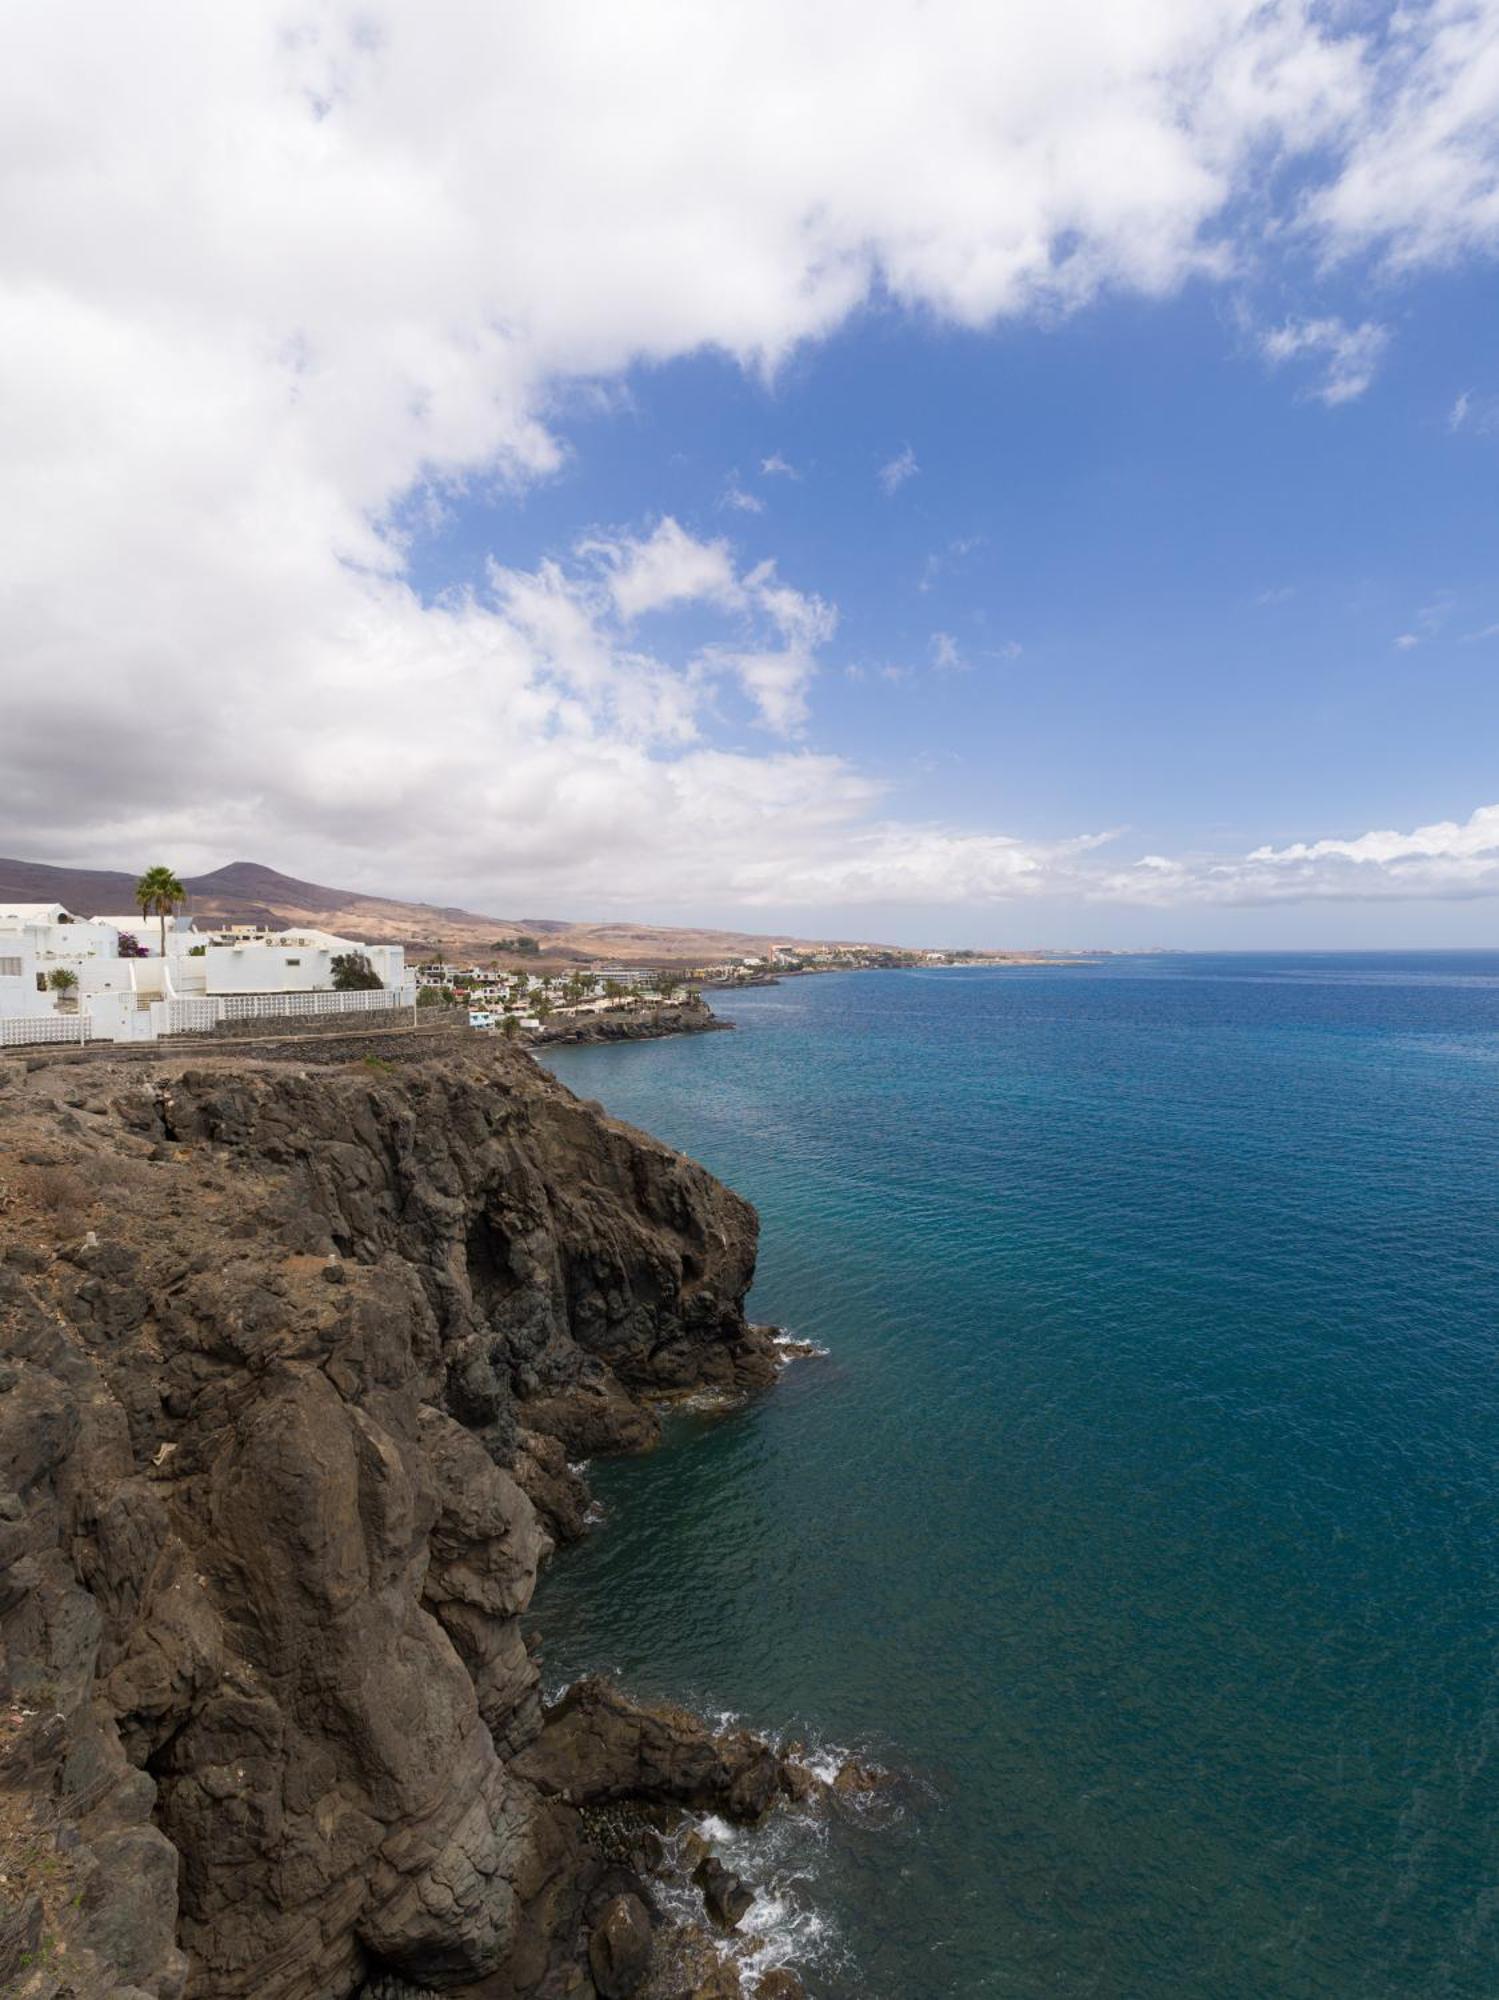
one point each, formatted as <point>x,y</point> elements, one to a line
<point>203,978</point>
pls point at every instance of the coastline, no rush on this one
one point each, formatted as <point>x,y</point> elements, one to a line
<point>645,1021</point>
<point>326,1346</point>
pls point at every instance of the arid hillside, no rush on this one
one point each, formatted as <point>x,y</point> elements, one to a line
<point>245,892</point>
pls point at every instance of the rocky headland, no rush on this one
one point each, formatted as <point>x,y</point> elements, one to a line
<point>643,1021</point>
<point>298,1352</point>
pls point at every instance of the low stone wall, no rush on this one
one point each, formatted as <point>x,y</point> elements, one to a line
<point>278,1027</point>
<point>316,1042</point>
<point>388,1045</point>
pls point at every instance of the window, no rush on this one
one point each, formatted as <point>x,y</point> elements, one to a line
<point>294,961</point>
<point>10,968</point>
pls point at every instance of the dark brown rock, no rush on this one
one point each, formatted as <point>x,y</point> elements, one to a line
<point>266,1541</point>
<point>642,1021</point>
<point>598,1743</point>
<point>779,1984</point>
<point>619,1950</point>
<point>726,1897</point>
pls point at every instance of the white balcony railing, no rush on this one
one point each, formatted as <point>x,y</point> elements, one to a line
<point>195,1014</point>
<point>18,1030</point>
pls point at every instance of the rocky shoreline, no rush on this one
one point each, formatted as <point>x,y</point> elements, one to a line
<point>299,1361</point>
<point>645,1021</point>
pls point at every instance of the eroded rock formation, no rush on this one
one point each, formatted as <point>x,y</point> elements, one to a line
<point>294,1364</point>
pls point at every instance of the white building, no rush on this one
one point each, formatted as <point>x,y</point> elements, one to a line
<point>244,961</point>
<point>22,987</point>
<point>204,977</point>
<point>147,931</point>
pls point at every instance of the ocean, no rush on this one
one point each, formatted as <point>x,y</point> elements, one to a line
<point>1142,1515</point>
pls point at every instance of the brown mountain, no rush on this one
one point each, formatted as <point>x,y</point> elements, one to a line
<point>245,892</point>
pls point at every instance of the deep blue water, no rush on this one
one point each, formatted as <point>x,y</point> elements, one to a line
<point>1145,1513</point>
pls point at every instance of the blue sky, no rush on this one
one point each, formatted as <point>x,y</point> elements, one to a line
<point>1139,577</point>
<point>938,472</point>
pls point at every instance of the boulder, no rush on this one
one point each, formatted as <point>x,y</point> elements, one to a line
<point>619,1950</point>
<point>598,1743</point>
<point>725,1897</point>
<point>779,1984</point>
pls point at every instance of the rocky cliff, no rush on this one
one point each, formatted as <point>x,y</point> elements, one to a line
<point>294,1363</point>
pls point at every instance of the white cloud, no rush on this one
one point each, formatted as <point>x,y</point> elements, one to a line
<point>947,655</point>
<point>1447,858</point>
<point>894,473</point>
<point>282,280</point>
<point>935,864</point>
<point>1417,173</point>
<point>1405,641</point>
<point>735,496</point>
<point>1352,353</point>
<point>666,568</point>
<point>1475,413</point>
<point>777,676</point>
<point>576,627</point>
<point>776,467</point>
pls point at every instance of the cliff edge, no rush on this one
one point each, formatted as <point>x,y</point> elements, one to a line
<point>294,1363</point>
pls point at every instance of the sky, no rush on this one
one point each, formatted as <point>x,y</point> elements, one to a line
<point>1000,474</point>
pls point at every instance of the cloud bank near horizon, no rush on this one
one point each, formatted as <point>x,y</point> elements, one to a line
<point>281,278</point>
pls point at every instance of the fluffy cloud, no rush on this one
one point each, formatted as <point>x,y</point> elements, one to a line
<point>1418,173</point>
<point>577,627</point>
<point>851,865</point>
<point>1449,859</point>
<point>667,568</point>
<point>279,279</point>
<point>1351,354</point>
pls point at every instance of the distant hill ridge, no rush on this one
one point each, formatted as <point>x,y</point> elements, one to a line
<point>247,892</point>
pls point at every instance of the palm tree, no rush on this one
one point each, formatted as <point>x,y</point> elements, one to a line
<point>159,893</point>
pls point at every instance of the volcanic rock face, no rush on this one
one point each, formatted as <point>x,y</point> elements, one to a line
<point>293,1365</point>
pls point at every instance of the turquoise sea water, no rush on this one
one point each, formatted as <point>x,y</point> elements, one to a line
<point>1144,1514</point>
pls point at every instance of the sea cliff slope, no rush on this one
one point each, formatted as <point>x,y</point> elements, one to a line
<point>295,1357</point>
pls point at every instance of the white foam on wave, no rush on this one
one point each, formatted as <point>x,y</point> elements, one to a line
<point>824,1765</point>
<point>794,1347</point>
<point>780,1932</point>
<point>782,1927</point>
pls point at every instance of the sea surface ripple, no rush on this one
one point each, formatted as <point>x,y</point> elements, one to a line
<point>1144,1514</point>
